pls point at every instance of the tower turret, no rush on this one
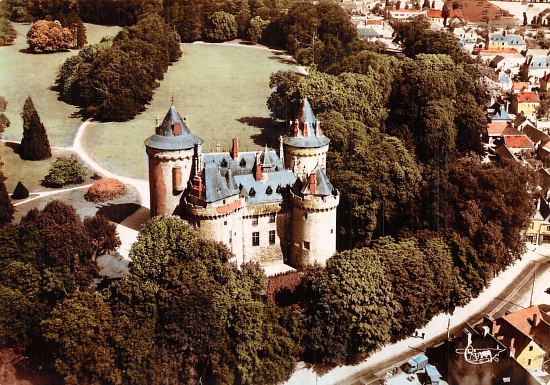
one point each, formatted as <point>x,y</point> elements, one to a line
<point>173,153</point>
<point>305,146</point>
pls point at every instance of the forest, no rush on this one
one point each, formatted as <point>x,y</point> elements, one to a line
<point>423,223</point>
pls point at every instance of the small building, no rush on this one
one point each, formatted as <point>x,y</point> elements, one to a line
<point>368,34</point>
<point>496,129</point>
<point>435,16</point>
<point>502,41</point>
<point>526,335</point>
<point>520,87</point>
<point>538,231</point>
<point>505,81</point>
<point>500,114</point>
<point>525,103</point>
<point>405,14</point>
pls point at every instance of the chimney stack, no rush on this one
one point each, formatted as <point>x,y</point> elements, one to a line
<point>535,318</point>
<point>305,129</point>
<point>197,187</point>
<point>295,128</point>
<point>313,183</point>
<point>176,129</point>
<point>235,148</point>
<point>258,168</point>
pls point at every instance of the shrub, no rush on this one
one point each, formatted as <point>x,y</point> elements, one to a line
<point>64,171</point>
<point>7,33</point>
<point>20,192</point>
<point>49,36</point>
<point>105,189</point>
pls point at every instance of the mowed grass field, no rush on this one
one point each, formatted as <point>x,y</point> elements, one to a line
<point>23,74</point>
<point>214,86</point>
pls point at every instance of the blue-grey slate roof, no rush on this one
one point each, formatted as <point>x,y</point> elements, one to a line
<point>323,187</point>
<point>225,177</point>
<point>276,181</point>
<point>539,62</point>
<point>164,138</point>
<point>510,39</point>
<point>314,137</point>
<point>501,114</point>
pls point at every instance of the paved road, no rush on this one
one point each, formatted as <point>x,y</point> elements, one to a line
<point>516,293</point>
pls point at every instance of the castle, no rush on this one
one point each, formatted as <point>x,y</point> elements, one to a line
<point>266,207</point>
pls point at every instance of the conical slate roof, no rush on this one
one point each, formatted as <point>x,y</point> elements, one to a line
<point>305,130</point>
<point>173,134</point>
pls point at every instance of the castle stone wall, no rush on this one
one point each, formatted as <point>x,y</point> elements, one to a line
<point>304,159</point>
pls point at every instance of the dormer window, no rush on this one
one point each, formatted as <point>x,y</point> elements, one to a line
<point>269,190</point>
<point>252,192</point>
<point>242,163</point>
<point>224,162</point>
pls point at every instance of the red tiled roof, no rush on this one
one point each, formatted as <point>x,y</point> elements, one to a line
<point>229,207</point>
<point>406,10</point>
<point>546,146</point>
<point>437,13</point>
<point>518,86</point>
<point>499,51</point>
<point>375,22</point>
<point>496,128</point>
<point>528,97</point>
<point>517,141</point>
<point>522,320</point>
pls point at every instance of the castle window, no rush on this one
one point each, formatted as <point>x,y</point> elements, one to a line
<point>224,162</point>
<point>271,237</point>
<point>254,221</point>
<point>225,223</point>
<point>242,163</point>
<point>529,361</point>
<point>255,238</point>
<point>177,179</point>
<point>269,190</point>
<point>272,217</point>
<point>306,245</point>
<point>305,215</point>
<point>332,231</point>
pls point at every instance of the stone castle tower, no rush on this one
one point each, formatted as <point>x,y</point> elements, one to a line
<point>265,207</point>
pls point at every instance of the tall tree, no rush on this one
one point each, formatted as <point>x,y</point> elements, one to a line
<point>4,121</point>
<point>35,144</point>
<point>80,330</point>
<point>6,207</point>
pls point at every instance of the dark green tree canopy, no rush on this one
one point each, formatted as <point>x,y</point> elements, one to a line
<point>35,144</point>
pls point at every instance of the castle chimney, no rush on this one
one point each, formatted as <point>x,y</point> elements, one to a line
<point>258,168</point>
<point>535,318</point>
<point>281,150</point>
<point>305,129</point>
<point>176,129</point>
<point>197,186</point>
<point>313,183</point>
<point>295,128</point>
<point>235,148</point>
<point>512,347</point>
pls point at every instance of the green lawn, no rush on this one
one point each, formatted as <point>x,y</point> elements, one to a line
<point>29,172</point>
<point>23,74</point>
<point>214,86</point>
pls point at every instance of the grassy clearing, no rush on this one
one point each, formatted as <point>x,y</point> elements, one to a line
<point>29,172</point>
<point>24,74</point>
<point>215,86</point>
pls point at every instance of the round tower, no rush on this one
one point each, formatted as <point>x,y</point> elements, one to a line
<point>174,157</point>
<point>305,147</point>
<point>314,202</point>
<point>313,198</point>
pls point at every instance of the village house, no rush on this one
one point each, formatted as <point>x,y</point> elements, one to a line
<point>525,103</point>
<point>406,14</point>
<point>518,87</point>
<point>513,58</point>
<point>435,16</point>
<point>538,232</point>
<point>505,81</point>
<point>536,68</point>
<point>503,41</point>
<point>525,334</point>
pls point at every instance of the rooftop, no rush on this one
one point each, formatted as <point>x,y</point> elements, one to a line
<point>305,131</point>
<point>528,97</point>
<point>173,134</point>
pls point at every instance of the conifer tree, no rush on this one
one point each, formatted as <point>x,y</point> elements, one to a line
<point>20,192</point>
<point>81,39</point>
<point>35,144</point>
<point>6,208</point>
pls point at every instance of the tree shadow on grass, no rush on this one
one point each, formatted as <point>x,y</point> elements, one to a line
<point>13,146</point>
<point>119,212</point>
<point>283,59</point>
<point>270,130</point>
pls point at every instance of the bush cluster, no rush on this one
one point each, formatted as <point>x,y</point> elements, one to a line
<point>65,171</point>
<point>105,189</point>
<point>49,36</point>
<point>113,81</point>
